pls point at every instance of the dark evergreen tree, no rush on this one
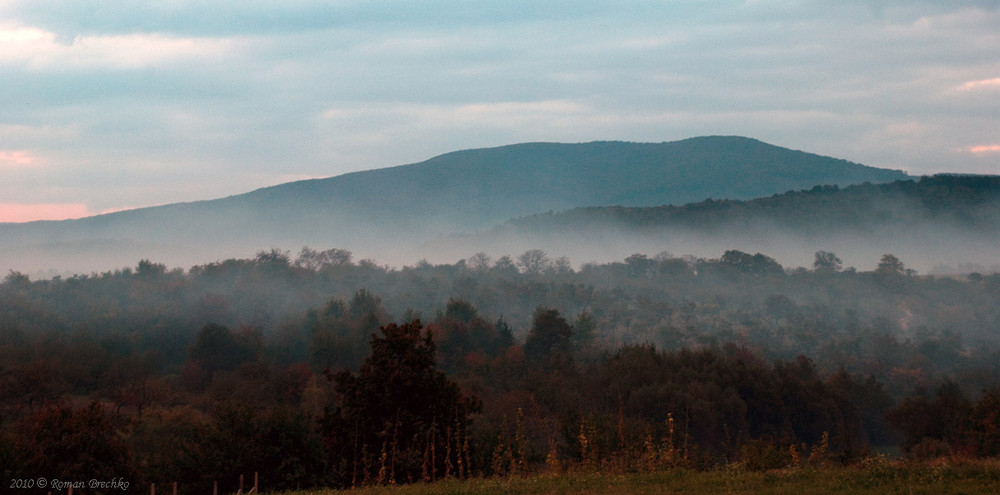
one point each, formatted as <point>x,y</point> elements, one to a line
<point>550,339</point>
<point>399,419</point>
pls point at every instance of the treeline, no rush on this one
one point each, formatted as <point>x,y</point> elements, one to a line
<point>317,370</point>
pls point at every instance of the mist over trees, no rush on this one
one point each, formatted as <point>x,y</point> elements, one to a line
<point>317,369</point>
<point>932,222</point>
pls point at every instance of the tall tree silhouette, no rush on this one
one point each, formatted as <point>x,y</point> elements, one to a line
<point>400,418</point>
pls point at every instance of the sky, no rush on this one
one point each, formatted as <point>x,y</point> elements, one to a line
<point>108,105</point>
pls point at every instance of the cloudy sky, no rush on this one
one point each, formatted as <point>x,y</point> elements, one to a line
<point>113,104</point>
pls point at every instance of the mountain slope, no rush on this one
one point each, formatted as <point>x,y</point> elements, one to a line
<point>459,191</point>
<point>970,202</point>
<point>478,188</point>
<point>940,219</point>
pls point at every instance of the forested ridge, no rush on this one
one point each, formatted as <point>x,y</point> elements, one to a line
<point>957,201</point>
<point>317,369</point>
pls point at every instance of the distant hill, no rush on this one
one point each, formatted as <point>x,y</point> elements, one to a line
<point>372,211</point>
<point>939,219</point>
<point>967,202</point>
<point>479,188</point>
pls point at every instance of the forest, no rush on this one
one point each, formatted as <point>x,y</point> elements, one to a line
<point>966,202</point>
<point>316,369</point>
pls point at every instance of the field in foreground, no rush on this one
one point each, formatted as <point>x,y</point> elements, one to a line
<point>879,477</point>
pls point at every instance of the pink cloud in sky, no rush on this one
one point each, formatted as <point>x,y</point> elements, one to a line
<point>16,212</point>
<point>983,83</point>
<point>15,158</point>
<point>989,148</point>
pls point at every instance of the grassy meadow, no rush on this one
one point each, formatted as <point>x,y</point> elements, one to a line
<point>875,476</point>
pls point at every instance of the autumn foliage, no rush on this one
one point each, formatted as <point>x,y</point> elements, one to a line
<point>324,372</point>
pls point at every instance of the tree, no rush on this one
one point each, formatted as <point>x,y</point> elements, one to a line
<point>16,279</point>
<point>505,265</point>
<point>172,445</point>
<point>68,443</point>
<point>779,306</point>
<point>147,268</point>
<point>461,310</point>
<point>364,304</point>
<point>400,418</point>
<point>756,264</point>
<point>924,422</point>
<point>274,255</point>
<point>504,335</point>
<point>640,266</point>
<point>533,261</point>
<point>672,267</point>
<point>986,423</point>
<point>890,265</point>
<point>10,457</point>
<point>827,262</point>
<point>871,401</point>
<point>338,332</point>
<point>891,272</point>
<point>562,265</point>
<point>217,348</point>
<point>278,442</point>
<point>550,338</point>
<point>460,331</point>
<point>480,262</point>
<point>314,260</point>
<point>584,329</point>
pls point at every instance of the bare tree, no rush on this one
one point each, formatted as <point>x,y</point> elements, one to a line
<point>533,261</point>
<point>480,262</point>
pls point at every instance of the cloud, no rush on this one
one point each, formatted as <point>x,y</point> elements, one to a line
<point>988,148</point>
<point>21,212</point>
<point>133,102</point>
<point>506,115</point>
<point>17,35</point>
<point>43,50</point>
<point>983,84</point>
<point>277,16</point>
<point>16,158</point>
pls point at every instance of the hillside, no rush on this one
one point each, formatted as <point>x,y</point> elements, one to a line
<point>370,212</point>
<point>970,202</point>
<point>479,188</point>
<point>940,219</point>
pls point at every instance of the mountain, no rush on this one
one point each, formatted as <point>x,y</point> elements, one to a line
<point>934,220</point>
<point>479,188</point>
<point>387,211</point>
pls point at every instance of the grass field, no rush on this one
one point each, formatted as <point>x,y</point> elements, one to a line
<point>880,477</point>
